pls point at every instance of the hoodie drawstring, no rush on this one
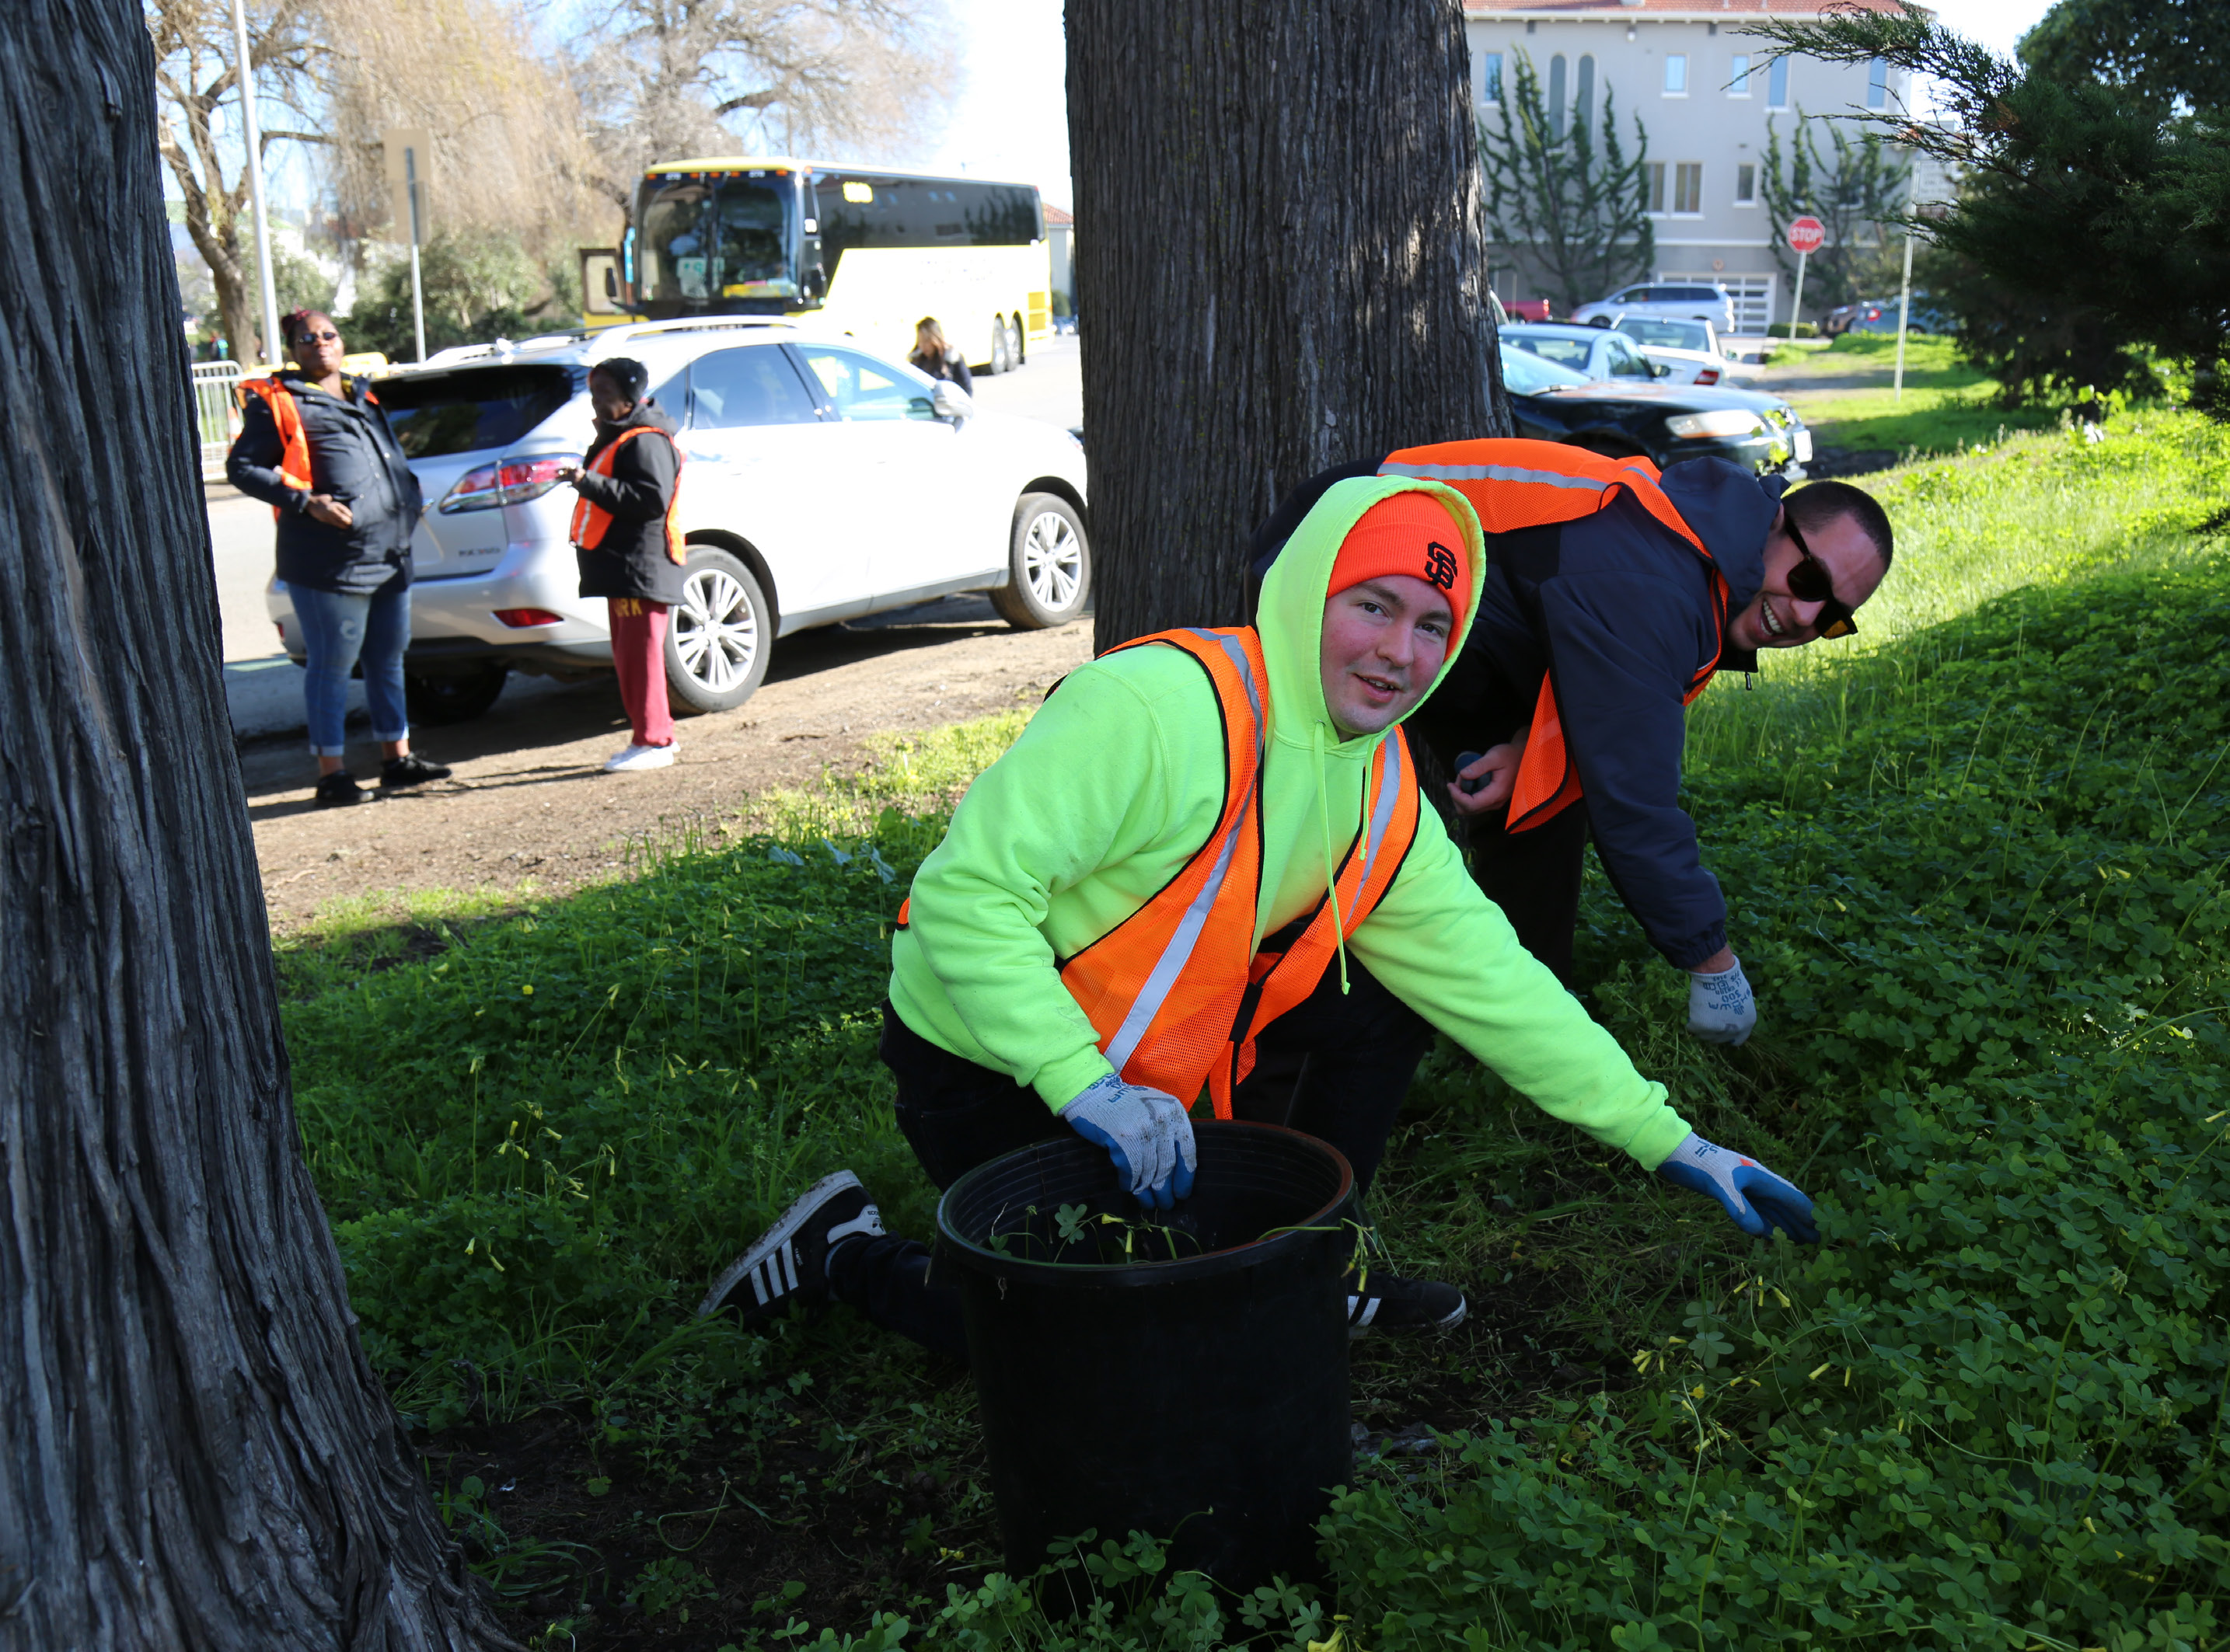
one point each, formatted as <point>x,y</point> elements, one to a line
<point>1331,867</point>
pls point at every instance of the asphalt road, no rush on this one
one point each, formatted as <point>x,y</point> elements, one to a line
<point>263,688</point>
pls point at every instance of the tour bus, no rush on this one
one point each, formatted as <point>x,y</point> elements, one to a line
<point>865,251</point>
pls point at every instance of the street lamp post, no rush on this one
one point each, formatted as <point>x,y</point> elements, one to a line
<point>246,76</point>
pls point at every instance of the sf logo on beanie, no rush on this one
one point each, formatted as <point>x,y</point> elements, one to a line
<point>1440,566</point>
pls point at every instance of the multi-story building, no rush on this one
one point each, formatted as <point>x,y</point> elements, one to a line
<point>1703,92</point>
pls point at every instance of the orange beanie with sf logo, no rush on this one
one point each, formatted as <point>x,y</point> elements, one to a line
<point>1410,534</point>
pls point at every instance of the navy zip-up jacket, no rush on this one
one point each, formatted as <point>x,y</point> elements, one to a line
<point>354,458</point>
<point>1619,609</point>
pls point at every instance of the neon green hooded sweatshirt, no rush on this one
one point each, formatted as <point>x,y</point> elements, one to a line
<point>1116,784</point>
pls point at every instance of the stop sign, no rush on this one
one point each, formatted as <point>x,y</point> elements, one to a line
<point>1805,235</point>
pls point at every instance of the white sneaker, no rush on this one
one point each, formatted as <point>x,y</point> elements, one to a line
<point>640,757</point>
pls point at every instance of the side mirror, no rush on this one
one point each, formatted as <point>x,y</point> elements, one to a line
<point>1658,369</point>
<point>951,402</point>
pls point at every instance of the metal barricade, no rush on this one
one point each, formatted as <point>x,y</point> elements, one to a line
<point>217,412</point>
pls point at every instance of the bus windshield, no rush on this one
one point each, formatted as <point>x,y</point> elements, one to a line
<point>716,239</point>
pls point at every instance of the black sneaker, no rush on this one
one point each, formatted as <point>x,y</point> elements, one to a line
<point>789,1264</point>
<point>336,789</point>
<point>411,769</point>
<point>1389,1303</point>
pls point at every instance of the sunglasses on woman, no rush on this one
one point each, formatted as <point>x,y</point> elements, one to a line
<point>1809,582</point>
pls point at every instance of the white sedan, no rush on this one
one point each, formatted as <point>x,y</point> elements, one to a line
<point>1688,350</point>
<point>821,483</point>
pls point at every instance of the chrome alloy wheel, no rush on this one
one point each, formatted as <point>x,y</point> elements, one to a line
<point>716,629</point>
<point>1052,560</point>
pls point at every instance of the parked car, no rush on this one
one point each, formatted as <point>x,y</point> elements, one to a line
<point>821,482</point>
<point>1592,352</point>
<point>1922,317</point>
<point>1530,309</point>
<point>1668,301</point>
<point>1664,422</point>
<point>1688,350</point>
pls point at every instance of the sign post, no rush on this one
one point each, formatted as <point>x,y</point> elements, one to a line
<point>1903,311</point>
<point>408,148</point>
<point>1805,236</point>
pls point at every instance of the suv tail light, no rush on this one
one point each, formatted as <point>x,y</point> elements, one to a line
<point>514,483</point>
<point>1707,375</point>
<point>519,619</point>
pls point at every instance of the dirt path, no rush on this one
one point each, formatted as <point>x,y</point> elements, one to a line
<point>528,802</point>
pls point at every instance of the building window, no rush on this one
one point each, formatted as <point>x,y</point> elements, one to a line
<point>1739,82</point>
<point>1777,84</point>
<point>1688,188</point>
<point>1878,84</point>
<point>1676,74</point>
<point>1490,77</point>
<point>1745,185</point>
<point>1556,96</point>
<point>1652,187</point>
<point>1583,100</point>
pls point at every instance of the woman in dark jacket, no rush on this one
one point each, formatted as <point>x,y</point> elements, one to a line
<point>315,446</point>
<point>629,548</point>
<point>937,358</point>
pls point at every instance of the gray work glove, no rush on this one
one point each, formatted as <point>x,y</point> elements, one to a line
<point>1720,1007</point>
<point>1145,1131</point>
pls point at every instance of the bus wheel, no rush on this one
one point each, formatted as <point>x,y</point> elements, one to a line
<point>1021,341</point>
<point>1002,356</point>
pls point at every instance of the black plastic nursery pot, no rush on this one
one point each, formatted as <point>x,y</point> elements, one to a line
<point>1184,1376</point>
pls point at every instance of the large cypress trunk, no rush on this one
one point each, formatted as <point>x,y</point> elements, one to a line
<point>1280,268</point>
<point>193,1451</point>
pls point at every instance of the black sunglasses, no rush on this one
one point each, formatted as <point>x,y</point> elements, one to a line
<point>1809,582</point>
<point>329,337</point>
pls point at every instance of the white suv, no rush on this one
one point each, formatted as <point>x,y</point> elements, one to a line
<point>1663,301</point>
<point>821,482</point>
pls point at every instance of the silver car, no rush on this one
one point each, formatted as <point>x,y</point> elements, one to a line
<point>821,482</point>
<point>1663,301</point>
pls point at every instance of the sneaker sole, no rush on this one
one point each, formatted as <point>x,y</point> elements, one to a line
<point>1356,1332</point>
<point>774,1238</point>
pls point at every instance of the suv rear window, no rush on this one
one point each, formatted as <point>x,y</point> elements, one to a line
<point>474,407</point>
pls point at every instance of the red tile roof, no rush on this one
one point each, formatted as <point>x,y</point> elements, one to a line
<point>1057,219</point>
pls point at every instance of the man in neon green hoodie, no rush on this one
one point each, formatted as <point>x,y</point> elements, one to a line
<point>1114,797</point>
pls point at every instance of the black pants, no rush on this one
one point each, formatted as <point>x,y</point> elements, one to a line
<point>1336,1066</point>
<point>1533,876</point>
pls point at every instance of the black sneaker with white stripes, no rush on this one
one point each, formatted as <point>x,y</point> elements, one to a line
<point>1388,1303</point>
<point>788,1265</point>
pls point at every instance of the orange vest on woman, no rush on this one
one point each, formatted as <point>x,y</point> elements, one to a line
<point>1177,991</point>
<point>1513,483</point>
<point>294,445</point>
<point>592,522</point>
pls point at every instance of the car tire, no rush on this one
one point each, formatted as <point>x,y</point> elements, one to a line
<point>1049,563</point>
<point>718,636</point>
<point>1002,355</point>
<point>1018,341</point>
<point>435,701</point>
<point>1600,321</point>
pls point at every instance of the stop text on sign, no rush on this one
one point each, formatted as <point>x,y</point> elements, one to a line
<point>1806,234</point>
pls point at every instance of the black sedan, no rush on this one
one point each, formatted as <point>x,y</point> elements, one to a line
<point>1665,422</point>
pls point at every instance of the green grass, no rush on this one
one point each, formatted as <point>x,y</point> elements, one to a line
<point>1947,406</point>
<point>1975,866</point>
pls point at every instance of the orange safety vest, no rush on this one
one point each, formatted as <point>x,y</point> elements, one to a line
<point>1177,991</point>
<point>1513,483</point>
<point>294,445</point>
<point>590,521</point>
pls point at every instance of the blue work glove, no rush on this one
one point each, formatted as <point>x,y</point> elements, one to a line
<point>1758,1200</point>
<point>1145,1131</point>
<point>1720,1007</point>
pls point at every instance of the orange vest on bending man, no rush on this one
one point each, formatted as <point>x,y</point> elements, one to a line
<point>1177,993</point>
<point>592,522</point>
<point>1515,483</point>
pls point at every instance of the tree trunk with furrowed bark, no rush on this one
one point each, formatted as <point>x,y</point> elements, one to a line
<point>193,1451</point>
<point>1280,268</point>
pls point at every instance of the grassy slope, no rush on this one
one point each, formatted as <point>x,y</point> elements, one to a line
<point>1975,866</point>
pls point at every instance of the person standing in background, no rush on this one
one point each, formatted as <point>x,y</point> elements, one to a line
<point>315,447</point>
<point>627,537</point>
<point>937,358</point>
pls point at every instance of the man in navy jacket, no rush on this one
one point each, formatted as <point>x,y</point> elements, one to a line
<point>1623,615</point>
